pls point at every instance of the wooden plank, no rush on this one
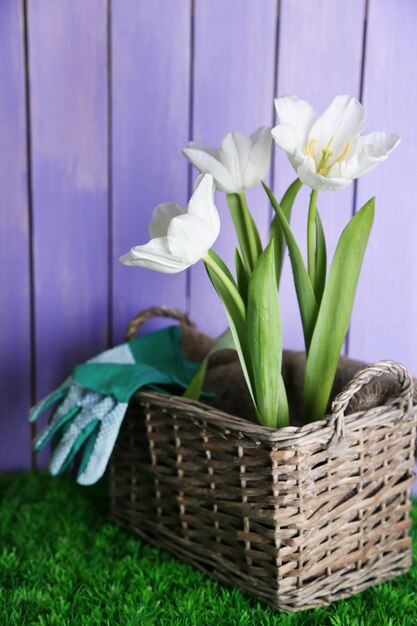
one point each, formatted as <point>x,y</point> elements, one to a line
<point>68,87</point>
<point>150,120</point>
<point>320,52</point>
<point>384,320</point>
<point>234,68</point>
<point>14,246</point>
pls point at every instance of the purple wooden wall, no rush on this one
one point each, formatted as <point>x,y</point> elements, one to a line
<point>96,101</point>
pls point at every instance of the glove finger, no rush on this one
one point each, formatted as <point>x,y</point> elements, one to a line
<point>68,408</point>
<point>90,431</point>
<point>88,449</point>
<point>90,398</point>
<point>71,400</point>
<point>86,415</point>
<point>46,402</point>
<point>84,437</point>
<point>44,437</point>
<point>103,446</point>
<point>59,433</point>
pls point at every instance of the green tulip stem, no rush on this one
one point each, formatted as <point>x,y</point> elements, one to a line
<point>210,262</point>
<point>254,249</point>
<point>311,252</point>
<point>247,233</point>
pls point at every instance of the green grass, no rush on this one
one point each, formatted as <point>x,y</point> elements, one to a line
<point>62,563</point>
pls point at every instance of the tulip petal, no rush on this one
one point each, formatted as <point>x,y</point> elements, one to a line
<point>341,121</point>
<point>194,145</point>
<point>286,137</point>
<point>378,144</point>
<point>189,235</point>
<point>259,157</point>
<point>334,145</point>
<point>189,238</point>
<point>198,180</point>
<point>155,255</point>
<point>207,163</point>
<point>370,150</point>
<point>202,205</point>
<point>308,175</point>
<point>240,163</point>
<point>297,113</point>
<point>161,217</point>
<point>234,154</point>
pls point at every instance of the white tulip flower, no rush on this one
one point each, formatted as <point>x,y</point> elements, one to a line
<point>329,151</point>
<point>179,236</point>
<point>241,162</point>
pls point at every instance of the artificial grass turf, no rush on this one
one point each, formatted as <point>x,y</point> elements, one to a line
<point>62,563</point>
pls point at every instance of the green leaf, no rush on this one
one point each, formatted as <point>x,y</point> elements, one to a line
<point>222,265</point>
<point>289,197</point>
<point>305,293</point>
<point>321,260</point>
<point>335,312</point>
<point>283,408</point>
<point>242,274</point>
<point>265,338</point>
<point>225,341</point>
<point>236,315</point>
<point>276,229</point>
<point>246,230</point>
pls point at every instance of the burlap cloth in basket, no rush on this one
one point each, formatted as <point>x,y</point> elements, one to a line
<point>225,378</point>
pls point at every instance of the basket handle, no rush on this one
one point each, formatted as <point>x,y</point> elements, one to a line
<point>156,311</point>
<point>363,377</point>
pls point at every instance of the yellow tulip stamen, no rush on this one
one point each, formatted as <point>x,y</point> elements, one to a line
<point>309,149</point>
<point>325,156</point>
<point>326,153</point>
<point>329,143</point>
<point>322,168</point>
<point>341,156</point>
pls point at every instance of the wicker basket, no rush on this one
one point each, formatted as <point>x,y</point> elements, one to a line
<point>299,517</point>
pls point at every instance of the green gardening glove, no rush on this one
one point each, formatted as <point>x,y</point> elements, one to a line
<point>94,399</point>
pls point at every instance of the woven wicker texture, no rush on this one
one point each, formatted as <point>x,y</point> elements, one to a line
<point>298,516</point>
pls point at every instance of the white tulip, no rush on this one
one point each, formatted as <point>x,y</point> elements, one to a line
<point>241,162</point>
<point>179,237</point>
<point>328,151</point>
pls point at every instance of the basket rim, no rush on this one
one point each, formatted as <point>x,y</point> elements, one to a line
<point>321,430</point>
